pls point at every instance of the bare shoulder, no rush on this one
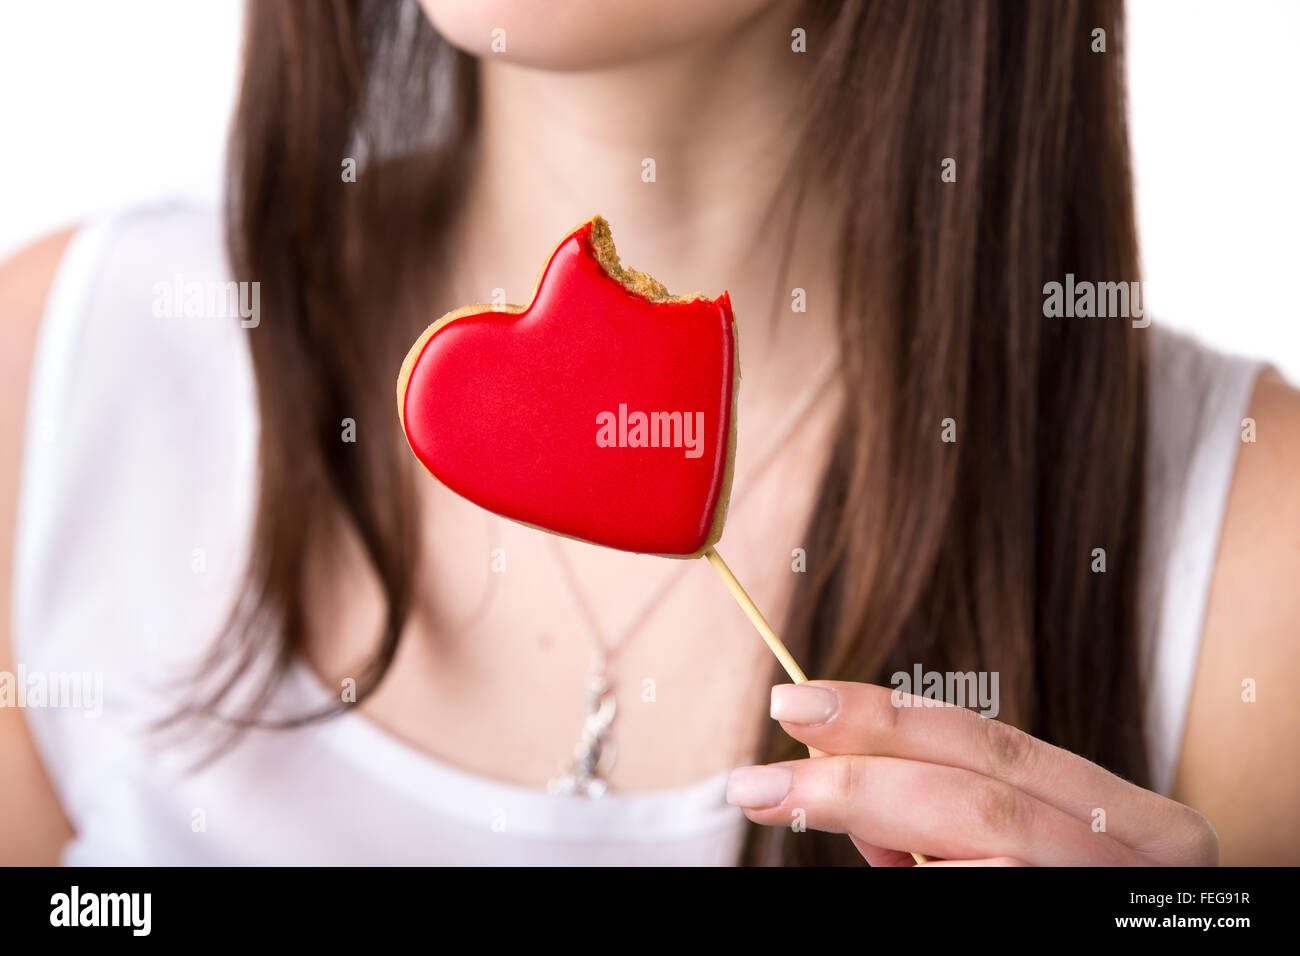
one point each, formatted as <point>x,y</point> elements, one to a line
<point>1238,764</point>
<point>25,279</point>
<point>32,826</point>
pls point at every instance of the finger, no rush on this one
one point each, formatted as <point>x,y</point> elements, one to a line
<point>874,855</point>
<point>991,861</point>
<point>907,805</point>
<point>867,719</point>
<point>880,856</point>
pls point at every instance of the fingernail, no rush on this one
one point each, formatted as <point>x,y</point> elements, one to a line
<point>758,786</point>
<point>803,704</point>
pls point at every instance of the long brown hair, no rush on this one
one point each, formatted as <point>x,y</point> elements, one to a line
<point>973,555</point>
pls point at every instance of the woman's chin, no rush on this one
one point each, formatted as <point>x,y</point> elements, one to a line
<point>582,34</point>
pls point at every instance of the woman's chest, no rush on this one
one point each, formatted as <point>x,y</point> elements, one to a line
<point>534,657</point>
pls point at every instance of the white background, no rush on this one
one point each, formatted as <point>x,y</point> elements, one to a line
<point>104,104</point>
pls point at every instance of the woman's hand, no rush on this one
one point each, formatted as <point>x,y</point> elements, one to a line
<point>957,787</point>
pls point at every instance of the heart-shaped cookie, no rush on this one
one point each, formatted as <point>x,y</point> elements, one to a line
<point>604,410</point>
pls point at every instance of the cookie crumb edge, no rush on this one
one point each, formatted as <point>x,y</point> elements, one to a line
<point>646,286</point>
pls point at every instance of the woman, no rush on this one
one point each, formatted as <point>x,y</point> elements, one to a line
<point>937,474</point>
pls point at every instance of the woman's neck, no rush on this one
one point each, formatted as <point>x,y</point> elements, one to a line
<point>684,154</point>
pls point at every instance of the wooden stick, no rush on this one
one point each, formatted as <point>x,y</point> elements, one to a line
<point>774,644</point>
<point>756,617</point>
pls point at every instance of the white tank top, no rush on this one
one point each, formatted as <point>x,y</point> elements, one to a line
<point>135,514</point>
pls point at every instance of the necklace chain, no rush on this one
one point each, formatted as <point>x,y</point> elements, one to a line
<point>594,755</point>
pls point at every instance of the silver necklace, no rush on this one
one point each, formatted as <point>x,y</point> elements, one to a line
<point>586,773</point>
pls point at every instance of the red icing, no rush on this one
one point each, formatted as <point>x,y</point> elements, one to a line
<point>502,408</point>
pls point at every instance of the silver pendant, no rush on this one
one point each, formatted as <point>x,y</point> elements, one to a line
<point>593,757</point>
